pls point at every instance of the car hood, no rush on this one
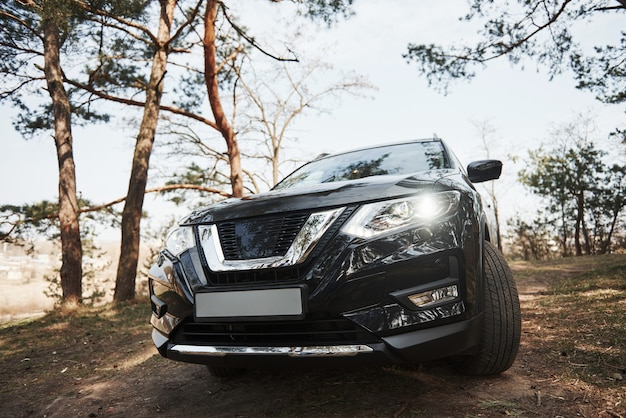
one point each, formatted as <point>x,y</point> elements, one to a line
<point>324,195</point>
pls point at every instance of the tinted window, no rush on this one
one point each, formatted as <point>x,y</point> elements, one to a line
<point>387,160</point>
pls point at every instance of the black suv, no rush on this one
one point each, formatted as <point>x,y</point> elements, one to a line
<point>384,254</point>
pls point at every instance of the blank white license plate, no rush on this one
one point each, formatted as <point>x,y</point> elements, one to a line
<point>250,303</point>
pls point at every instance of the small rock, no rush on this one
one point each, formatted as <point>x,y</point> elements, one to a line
<point>617,376</point>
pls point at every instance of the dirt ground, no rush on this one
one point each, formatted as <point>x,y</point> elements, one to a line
<point>142,384</point>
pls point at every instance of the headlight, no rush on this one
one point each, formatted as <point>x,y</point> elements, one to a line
<point>180,239</point>
<point>382,217</point>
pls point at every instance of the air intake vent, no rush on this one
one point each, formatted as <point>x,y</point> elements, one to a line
<point>319,331</point>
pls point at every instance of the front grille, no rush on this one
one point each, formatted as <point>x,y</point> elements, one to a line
<point>277,240</point>
<point>260,237</point>
<point>325,331</point>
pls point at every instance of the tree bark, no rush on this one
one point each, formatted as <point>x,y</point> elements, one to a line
<point>606,246</point>
<point>589,245</point>
<point>579,220</point>
<point>211,81</point>
<point>131,215</point>
<point>564,232</point>
<point>71,247</point>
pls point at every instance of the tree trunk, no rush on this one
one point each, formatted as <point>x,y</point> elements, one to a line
<point>589,245</point>
<point>496,214</point>
<point>131,215</point>
<point>275,169</point>
<point>606,245</point>
<point>71,247</point>
<point>579,221</point>
<point>564,231</point>
<point>211,81</point>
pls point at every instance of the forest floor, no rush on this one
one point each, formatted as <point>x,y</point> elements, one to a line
<point>100,362</point>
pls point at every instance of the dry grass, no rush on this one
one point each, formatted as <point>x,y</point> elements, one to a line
<point>100,362</point>
<point>587,315</point>
<point>68,345</point>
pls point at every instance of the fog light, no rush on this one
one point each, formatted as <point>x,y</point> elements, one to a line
<point>435,296</point>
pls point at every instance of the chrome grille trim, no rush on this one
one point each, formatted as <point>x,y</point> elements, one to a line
<point>312,231</point>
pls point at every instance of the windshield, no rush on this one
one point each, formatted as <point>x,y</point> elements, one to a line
<point>385,160</point>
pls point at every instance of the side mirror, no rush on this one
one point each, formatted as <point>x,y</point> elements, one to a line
<point>484,170</point>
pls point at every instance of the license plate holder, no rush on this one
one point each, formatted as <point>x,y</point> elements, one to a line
<point>251,304</point>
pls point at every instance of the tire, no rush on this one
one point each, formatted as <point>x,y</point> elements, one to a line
<point>224,372</point>
<point>502,322</point>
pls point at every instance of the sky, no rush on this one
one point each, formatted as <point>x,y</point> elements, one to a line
<point>522,105</point>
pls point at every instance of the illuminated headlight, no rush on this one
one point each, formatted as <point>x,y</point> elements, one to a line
<point>180,239</point>
<point>435,296</point>
<point>382,217</point>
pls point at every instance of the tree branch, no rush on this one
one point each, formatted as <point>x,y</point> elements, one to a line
<point>160,189</point>
<point>130,102</point>
<point>22,22</point>
<point>7,93</point>
<point>190,18</point>
<point>622,6</point>
<point>100,12</point>
<point>251,41</point>
<point>506,48</point>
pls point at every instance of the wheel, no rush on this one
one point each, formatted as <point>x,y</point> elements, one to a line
<point>502,322</point>
<point>224,372</point>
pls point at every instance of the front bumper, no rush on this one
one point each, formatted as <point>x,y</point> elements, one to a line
<point>379,333</point>
<point>459,338</point>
